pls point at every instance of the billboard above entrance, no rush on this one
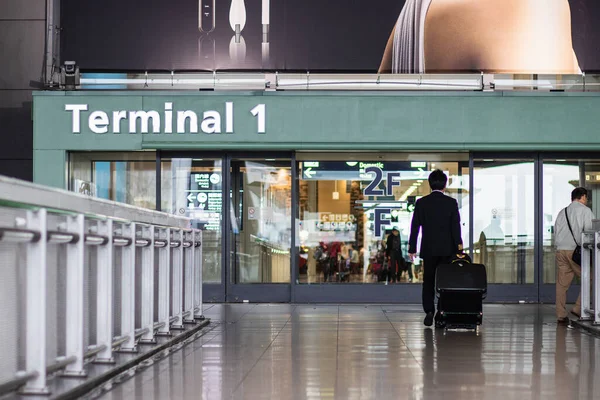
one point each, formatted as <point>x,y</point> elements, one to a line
<point>397,36</point>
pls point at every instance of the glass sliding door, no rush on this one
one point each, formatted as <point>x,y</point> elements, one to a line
<point>348,206</point>
<point>245,209</point>
<point>562,174</point>
<point>504,209</point>
<point>193,188</point>
<point>260,230</point>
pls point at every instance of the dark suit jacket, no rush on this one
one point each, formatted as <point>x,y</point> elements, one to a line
<point>438,217</point>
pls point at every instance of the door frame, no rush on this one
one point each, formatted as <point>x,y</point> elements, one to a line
<point>503,292</point>
<point>374,293</point>
<point>227,290</point>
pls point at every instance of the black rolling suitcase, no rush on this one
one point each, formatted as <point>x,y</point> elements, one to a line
<point>461,287</point>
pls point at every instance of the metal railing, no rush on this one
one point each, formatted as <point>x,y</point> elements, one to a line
<point>590,254</point>
<point>84,278</point>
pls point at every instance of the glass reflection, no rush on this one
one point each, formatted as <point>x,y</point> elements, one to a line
<point>504,219</point>
<point>348,209</point>
<point>124,177</point>
<point>560,178</point>
<point>261,199</point>
<point>193,188</point>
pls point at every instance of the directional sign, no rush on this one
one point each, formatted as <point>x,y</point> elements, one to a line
<point>309,173</point>
<point>355,170</point>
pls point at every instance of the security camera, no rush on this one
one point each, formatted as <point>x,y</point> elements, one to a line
<point>69,75</point>
<point>70,67</point>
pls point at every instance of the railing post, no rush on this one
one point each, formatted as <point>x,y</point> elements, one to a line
<point>585,279</point>
<point>189,275</point>
<point>198,274</point>
<point>596,281</point>
<point>177,253</point>
<point>164,282</point>
<point>128,290</point>
<point>35,352</point>
<point>148,284</point>
<point>105,267</point>
<point>75,297</point>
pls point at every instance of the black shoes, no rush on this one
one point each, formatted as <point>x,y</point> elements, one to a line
<point>439,321</point>
<point>428,319</point>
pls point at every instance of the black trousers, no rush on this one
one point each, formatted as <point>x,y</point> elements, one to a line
<point>397,265</point>
<point>430,265</point>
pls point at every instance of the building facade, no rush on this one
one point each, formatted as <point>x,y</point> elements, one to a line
<point>297,190</point>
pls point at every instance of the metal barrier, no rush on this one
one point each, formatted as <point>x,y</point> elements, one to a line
<point>84,278</point>
<point>590,307</point>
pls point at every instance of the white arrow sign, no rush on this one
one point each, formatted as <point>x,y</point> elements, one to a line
<point>191,197</point>
<point>309,173</point>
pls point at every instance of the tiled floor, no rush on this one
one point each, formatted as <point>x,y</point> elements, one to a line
<point>374,352</point>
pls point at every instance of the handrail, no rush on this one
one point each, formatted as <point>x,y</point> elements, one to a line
<point>60,364</point>
<point>95,240</point>
<point>121,241</point>
<point>58,237</point>
<point>16,235</point>
<point>19,380</point>
<point>88,230</point>
<point>15,193</point>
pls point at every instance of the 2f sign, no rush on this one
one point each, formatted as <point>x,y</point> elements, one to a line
<point>260,112</point>
<point>392,179</point>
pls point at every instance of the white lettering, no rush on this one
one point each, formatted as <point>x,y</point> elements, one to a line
<point>168,117</point>
<point>182,116</point>
<point>260,111</point>
<point>144,117</point>
<point>76,116</point>
<point>211,123</point>
<point>117,117</point>
<point>228,117</point>
<point>98,122</point>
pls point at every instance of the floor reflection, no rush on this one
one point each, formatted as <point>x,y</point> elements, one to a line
<point>373,352</point>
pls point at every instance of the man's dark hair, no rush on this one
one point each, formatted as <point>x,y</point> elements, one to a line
<point>578,193</point>
<point>437,180</point>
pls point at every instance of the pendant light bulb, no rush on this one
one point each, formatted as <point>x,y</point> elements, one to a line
<point>237,17</point>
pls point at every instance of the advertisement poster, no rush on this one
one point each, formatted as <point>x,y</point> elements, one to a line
<point>397,36</point>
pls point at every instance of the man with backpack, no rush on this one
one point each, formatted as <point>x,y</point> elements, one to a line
<point>571,221</point>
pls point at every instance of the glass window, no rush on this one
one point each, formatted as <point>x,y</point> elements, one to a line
<point>261,199</point>
<point>124,177</point>
<point>561,176</point>
<point>193,188</point>
<point>347,210</point>
<point>503,219</point>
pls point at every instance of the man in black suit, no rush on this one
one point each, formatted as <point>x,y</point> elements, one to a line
<point>438,217</point>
